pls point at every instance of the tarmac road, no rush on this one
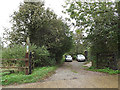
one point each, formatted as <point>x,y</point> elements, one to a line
<point>74,75</point>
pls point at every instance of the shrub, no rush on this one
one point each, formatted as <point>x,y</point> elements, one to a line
<point>74,56</point>
<point>14,52</point>
<point>17,51</point>
<point>42,56</point>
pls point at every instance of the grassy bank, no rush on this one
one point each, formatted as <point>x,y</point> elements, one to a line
<point>106,70</point>
<point>37,75</point>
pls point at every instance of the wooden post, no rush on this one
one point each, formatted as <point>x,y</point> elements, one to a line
<point>26,63</point>
<point>30,66</point>
<point>27,56</point>
<point>33,57</point>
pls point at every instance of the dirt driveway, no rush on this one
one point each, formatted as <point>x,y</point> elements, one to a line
<point>73,75</point>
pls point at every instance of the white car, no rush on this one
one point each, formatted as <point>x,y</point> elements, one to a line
<point>80,57</point>
<point>68,58</point>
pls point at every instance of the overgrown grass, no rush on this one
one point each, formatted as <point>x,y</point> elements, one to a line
<point>4,73</point>
<point>19,78</point>
<point>106,70</point>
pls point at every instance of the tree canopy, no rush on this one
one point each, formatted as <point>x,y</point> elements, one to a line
<point>42,27</point>
<point>99,20</point>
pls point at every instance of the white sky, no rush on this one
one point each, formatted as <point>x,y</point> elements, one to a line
<point>7,7</point>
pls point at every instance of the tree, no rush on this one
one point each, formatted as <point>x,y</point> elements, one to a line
<point>30,18</point>
<point>100,17</point>
<point>42,27</point>
<point>78,42</point>
<point>99,20</point>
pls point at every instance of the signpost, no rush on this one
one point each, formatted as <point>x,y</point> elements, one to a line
<point>27,55</point>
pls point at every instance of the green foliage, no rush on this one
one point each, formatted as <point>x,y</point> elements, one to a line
<point>74,57</point>
<point>19,78</point>
<point>62,61</point>
<point>42,27</point>
<point>17,51</point>
<point>78,42</point>
<point>42,55</point>
<point>99,20</point>
<point>4,73</point>
<point>106,70</point>
<point>33,21</point>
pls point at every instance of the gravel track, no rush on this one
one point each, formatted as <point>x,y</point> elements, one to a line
<point>74,75</point>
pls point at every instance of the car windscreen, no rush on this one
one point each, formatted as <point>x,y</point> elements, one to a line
<point>80,56</point>
<point>68,56</point>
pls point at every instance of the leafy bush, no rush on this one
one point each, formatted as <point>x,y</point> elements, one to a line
<point>62,60</point>
<point>74,56</point>
<point>17,51</point>
<point>42,56</point>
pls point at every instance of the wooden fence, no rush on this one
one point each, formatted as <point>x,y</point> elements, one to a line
<point>28,64</point>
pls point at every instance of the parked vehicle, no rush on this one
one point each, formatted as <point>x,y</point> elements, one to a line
<point>80,57</point>
<point>68,58</point>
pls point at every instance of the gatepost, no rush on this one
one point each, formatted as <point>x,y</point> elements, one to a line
<point>27,55</point>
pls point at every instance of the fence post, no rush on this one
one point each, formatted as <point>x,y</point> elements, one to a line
<point>32,58</point>
<point>26,63</point>
<point>30,69</point>
<point>27,55</point>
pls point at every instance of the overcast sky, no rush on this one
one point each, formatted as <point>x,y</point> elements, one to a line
<point>7,7</point>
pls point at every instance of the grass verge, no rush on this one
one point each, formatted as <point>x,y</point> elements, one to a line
<point>19,78</point>
<point>106,70</point>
